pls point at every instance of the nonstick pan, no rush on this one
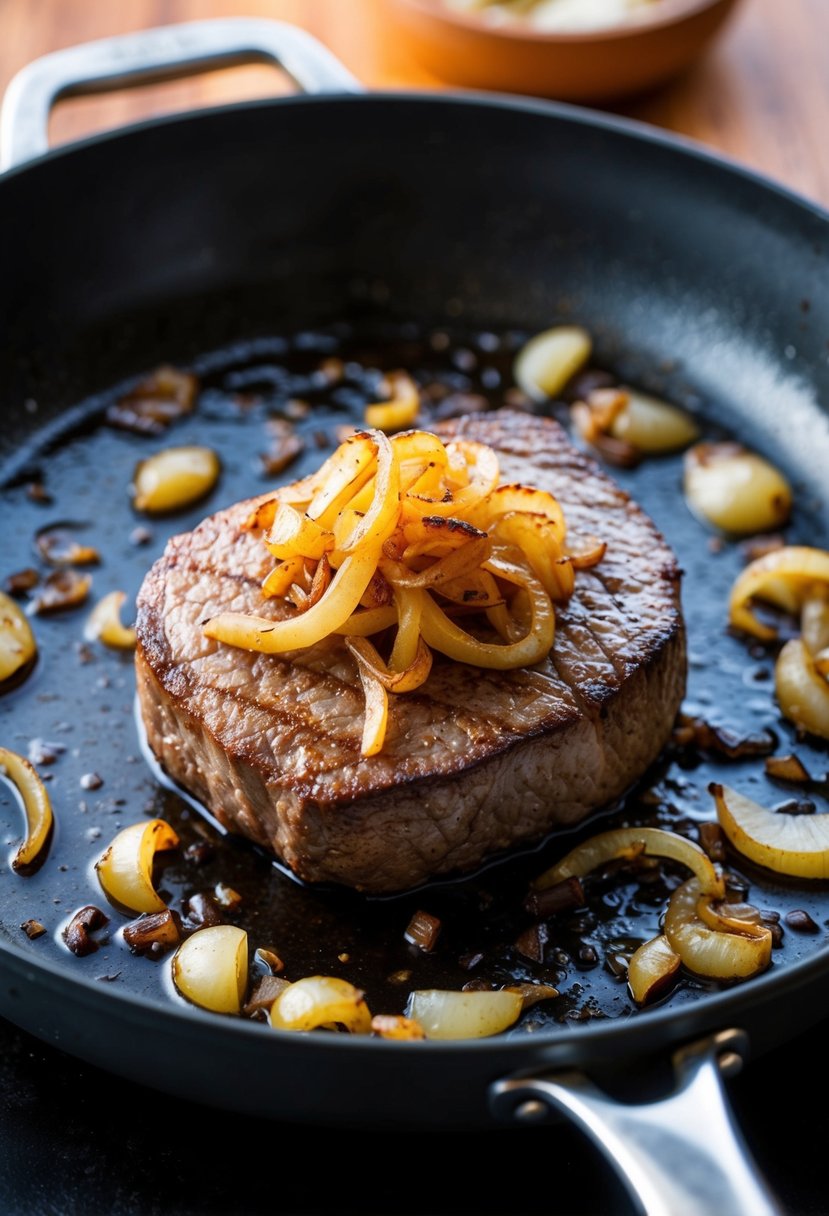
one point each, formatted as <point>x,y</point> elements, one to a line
<point>214,232</point>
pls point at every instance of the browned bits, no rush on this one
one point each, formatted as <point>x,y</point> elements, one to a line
<point>400,977</point>
<point>760,546</point>
<point>531,943</point>
<point>588,957</point>
<point>21,581</point>
<point>712,840</point>
<point>800,920</point>
<point>270,959</point>
<point>40,752</point>
<point>91,781</point>
<point>422,931</point>
<point>152,933</point>
<point>264,993</point>
<point>788,768</point>
<point>721,740</point>
<point>165,395</point>
<point>226,897</point>
<point>396,1026</point>
<point>561,897</point>
<point>202,911</point>
<point>64,589</point>
<point>58,546</point>
<point>33,929</point>
<point>37,492</point>
<point>200,852</point>
<point>283,448</point>
<point>77,933</point>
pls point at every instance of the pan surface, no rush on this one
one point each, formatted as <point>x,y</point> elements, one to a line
<point>237,243</point>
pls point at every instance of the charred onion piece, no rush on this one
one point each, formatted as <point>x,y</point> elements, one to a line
<point>162,397</point>
<point>735,490</point>
<point>18,648</point>
<point>709,952</point>
<point>651,969</point>
<point>320,1001</point>
<point>36,806</point>
<point>174,479</point>
<point>789,844</point>
<point>210,968</point>
<point>630,843</point>
<point>63,589</point>
<point>788,768</point>
<point>464,1015</point>
<point>152,933</point>
<point>125,868</point>
<point>57,546</point>
<point>77,933</point>
<point>104,623</point>
<point>545,363</point>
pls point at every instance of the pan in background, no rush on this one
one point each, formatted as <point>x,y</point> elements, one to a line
<point>592,67</point>
<point>171,238</point>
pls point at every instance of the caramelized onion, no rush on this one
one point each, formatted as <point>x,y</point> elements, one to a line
<point>125,868</point>
<point>786,578</point>
<point>797,845</point>
<point>629,843</point>
<point>174,479</point>
<point>210,968</point>
<point>402,407</point>
<point>545,363</point>
<point>706,951</point>
<point>18,648</point>
<point>36,806</point>
<point>736,490</point>
<point>413,533</point>
<point>802,690</point>
<point>651,969</point>
<point>464,1015</point>
<point>104,624</point>
<point>321,1001</point>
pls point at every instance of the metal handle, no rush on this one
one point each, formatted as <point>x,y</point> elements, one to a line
<point>681,1155</point>
<point>153,55</point>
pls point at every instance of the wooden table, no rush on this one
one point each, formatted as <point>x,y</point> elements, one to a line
<point>761,95</point>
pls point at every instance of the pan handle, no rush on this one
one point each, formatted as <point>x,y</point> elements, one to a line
<point>680,1155</point>
<point>153,55</point>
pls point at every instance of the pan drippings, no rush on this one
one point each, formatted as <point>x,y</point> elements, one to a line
<point>271,410</point>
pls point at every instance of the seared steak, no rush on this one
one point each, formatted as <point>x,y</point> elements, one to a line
<point>474,761</point>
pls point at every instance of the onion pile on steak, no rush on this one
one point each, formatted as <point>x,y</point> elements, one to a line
<point>475,761</point>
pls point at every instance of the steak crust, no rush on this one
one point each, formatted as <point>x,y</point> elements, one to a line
<point>475,762</point>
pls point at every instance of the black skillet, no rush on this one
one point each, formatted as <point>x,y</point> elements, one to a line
<point>193,234</point>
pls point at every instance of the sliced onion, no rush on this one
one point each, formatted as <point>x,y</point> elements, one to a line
<point>174,479</point>
<point>104,623</point>
<point>18,648</point>
<point>401,410</point>
<point>321,1001</point>
<point>814,619</point>
<point>803,692</point>
<point>651,969</point>
<point>789,844</point>
<point>210,968</point>
<point>550,359</point>
<point>464,1015</point>
<point>36,806</point>
<point>376,714</point>
<point>630,843</point>
<point>652,425</point>
<point>705,951</point>
<point>736,490</point>
<point>731,918</point>
<point>785,577</point>
<point>125,869</point>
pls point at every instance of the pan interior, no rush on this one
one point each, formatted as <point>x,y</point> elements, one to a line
<point>372,227</point>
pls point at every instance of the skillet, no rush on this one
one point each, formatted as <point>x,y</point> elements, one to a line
<point>213,232</point>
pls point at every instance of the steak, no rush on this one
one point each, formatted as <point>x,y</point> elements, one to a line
<point>475,762</point>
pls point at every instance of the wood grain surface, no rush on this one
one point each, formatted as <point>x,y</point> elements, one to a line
<point>760,95</point>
